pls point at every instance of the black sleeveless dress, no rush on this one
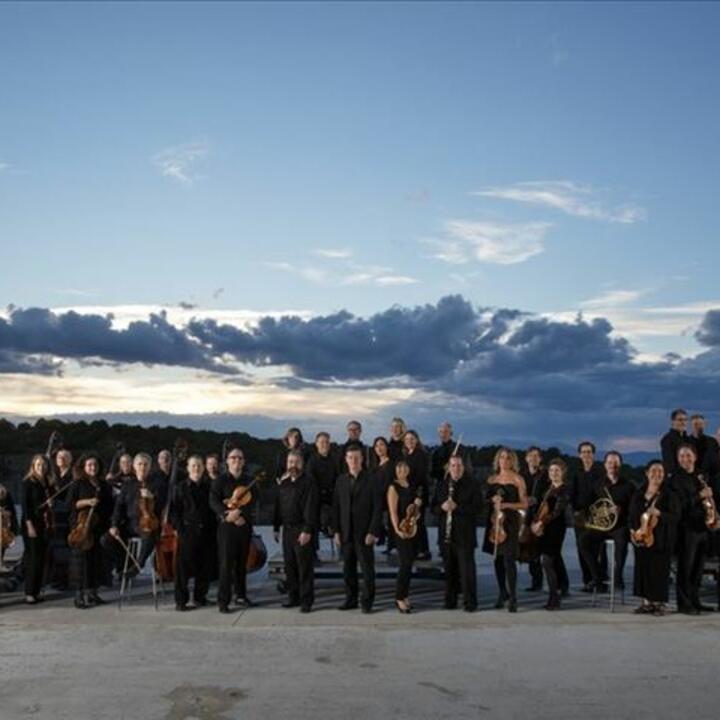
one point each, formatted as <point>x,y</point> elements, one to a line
<point>511,545</point>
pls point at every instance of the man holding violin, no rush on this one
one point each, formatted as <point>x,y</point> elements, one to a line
<point>233,502</point>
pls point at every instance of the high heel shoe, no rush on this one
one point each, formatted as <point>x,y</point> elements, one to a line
<point>512,605</point>
<point>500,603</point>
<point>80,602</point>
<point>403,610</point>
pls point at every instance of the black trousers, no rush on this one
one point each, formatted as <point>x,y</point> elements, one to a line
<point>460,574</point>
<point>535,568</point>
<point>35,560</point>
<point>233,548</point>
<point>692,549</point>
<point>86,568</point>
<point>423,544</point>
<point>584,567</point>
<point>592,543</point>
<point>194,559</point>
<point>299,567</point>
<point>353,552</point>
<point>406,557</point>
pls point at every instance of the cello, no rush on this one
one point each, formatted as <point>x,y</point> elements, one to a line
<point>167,544</point>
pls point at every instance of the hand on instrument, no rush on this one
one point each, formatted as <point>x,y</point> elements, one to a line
<point>418,502</point>
<point>114,532</point>
<point>449,505</point>
<point>232,516</point>
<point>304,538</point>
<point>145,493</point>
<point>32,533</point>
<point>537,528</point>
<point>240,521</point>
<point>497,502</point>
<point>370,539</point>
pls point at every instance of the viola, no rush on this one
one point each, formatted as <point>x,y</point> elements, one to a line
<point>644,536</point>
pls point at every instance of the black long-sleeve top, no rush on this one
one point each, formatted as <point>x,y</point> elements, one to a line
<point>669,445</point>
<point>357,507</point>
<point>396,450</point>
<point>467,494</point>
<point>687,487</point>
<point>84,489</point>
<point>34,493</point>
<point>581,485</point>
<point>222,488</point>
<point>7,503</point>
<point>190,510</point>
<point>708,458</point>
<point>670,507</point>
<point>419,477</point>
<point>126,513</point>
<point>324,471</point>
<point>296,504</point>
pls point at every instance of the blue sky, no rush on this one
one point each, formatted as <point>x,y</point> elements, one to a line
<point>551,158</point>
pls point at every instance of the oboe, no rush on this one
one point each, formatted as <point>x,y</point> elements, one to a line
<point>449,518</point>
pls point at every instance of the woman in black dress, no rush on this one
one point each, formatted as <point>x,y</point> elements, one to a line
<point>652,564</point>
<point>548,527</point>
<point>36,525</point>
<point>507,495</point>
<point>400,496</point>
<point>92,494</point>
<point>418,460</point>
<point>382,469</point>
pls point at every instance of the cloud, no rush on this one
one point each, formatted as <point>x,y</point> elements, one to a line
<point>348,273</point>
<point>334,253</point>
<point>613,298</point>
<point>178,162</point>
<point>708,333</point>
<point>490,242</point>
<point>568,197</point>
<point>155,341</point>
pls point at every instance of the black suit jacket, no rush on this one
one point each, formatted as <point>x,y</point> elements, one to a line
<point>357,510</point>
<point>468,498</point>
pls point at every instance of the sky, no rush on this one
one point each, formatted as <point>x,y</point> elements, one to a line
<point>243,216</point>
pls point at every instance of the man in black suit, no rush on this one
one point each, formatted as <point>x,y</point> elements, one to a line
<point>357,519</point>
<point>673,439</point>
<point>457,496</point>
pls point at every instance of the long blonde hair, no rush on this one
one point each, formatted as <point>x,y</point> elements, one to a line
<point>513,459</point>
<point>47,472</point>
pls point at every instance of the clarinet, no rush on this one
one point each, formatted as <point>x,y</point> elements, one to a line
<point>449,519</point>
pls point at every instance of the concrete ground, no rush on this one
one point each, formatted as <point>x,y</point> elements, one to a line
<point>267,662</point>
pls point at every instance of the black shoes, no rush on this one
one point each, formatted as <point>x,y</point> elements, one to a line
<point>305,609</point>
<point>366,609</point>
<point>705,608</point>
<point>500,602</point>
<point>470,608</point>
<point>348,605</point>
<point>512,605</point>
<point>553,603</point>
<point>181,608</point>
<point>80,602</point>
<point>224,609</point>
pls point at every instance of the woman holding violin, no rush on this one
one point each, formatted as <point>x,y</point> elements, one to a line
<point>654,514</point>
<point>548,527</point>
<point>90,503</point>
<point>404,507</point>
<point>507,495</point>
<point>37,525</point>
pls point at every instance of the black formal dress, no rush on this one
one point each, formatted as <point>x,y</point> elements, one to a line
<point>652,564</point>
<point>86,566</point>
<point>357,512</point>
<point>460,541</point>
<point>419,462</point>
<point>405,547</point>
<point>549,544</point>
<point>35,556</point>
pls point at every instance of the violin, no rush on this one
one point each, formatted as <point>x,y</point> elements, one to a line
<point>7,536</point>
<point>242,495</point>
<point>712,521</point>
<point>497,533</point>
<point>81,537</point>
<point>409,524</point>
<point>644,536</point>
<point>148,522</point>
<point>542,517</point>
<point>167,545</point>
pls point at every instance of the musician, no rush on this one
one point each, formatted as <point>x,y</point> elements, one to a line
<point>163,471</point>
<point>292,440</point>
<point>652,563</point>
<point>212,472</point>
<point>89,493</point>
<point>195,524</point>
<point>708,451</point>
<point>354,439</point>
<point>548,524</point>
<point>585,478</point>
<point>673,439</point>
<point>441,456</point>
<point>507,494</point>
<point>399,497</point>
<point>395,444</point>
<point>212,466</point>
<point>123,474</point>
<point>234,531</point>
<point>58,549</point>
<point>620,491</point>
<point>534,475</point>
<point>36,525</point>
<point>296,513</point>
<point>419,461</point>
<point>9,517</point>
<point>142,488</point>
<point>383,472</point>
<point>692,537</point>
<point>323,469</point>
<point>457,501</point>
<point>357,516</point>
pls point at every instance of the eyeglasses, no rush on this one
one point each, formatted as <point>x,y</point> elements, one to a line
<point>235,457</point>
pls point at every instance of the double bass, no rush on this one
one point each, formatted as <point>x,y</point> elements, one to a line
<point>167,544</point>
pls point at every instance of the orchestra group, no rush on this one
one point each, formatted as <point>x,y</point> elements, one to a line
<point>364,495</point>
